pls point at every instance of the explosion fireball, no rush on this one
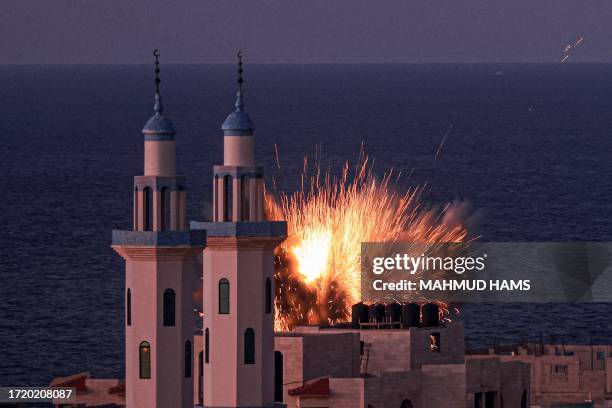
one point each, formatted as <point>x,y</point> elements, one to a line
<point>317,268</point>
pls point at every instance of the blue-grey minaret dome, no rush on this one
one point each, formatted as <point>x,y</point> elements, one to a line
<point>238,122</point>
<point>158,127</point>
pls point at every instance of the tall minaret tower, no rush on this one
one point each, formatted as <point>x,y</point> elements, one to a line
<point>239,275</point>
<point>161,274</point>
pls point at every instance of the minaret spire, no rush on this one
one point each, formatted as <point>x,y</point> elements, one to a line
<point>158,127</point>
<point>239,101</point>
<point>158,107</point>
<point>238,123</point>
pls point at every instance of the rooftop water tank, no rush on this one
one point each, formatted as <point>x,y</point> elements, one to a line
<point>360,314</point>
<point>411,315</point>
<point>377,313</point>
<point>393,312</point>
<point>431,316</point>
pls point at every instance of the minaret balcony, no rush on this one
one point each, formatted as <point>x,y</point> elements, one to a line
<point>249,235</point>
<point>191,238</point>
<point>269,229</point>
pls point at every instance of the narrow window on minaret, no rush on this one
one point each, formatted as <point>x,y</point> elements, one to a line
<point>244,196</point>
<point>187,359</point>
<point>249,346</point>
<point>145,360</point>
<point>224,296</point>
<point>201,364</point>
<point>206,346</point>
<point>229,199</point>
<point>169,307</point>
<point>148,209</point>
<point>216,196</point>
<point>200,375</point>
<point>128,306</point>
<point>268,299</point>
<point>165,209</point>
<point>136,210</point>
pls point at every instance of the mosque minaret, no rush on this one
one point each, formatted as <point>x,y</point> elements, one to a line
<point>238,274</point>
<point>234,256</point>
<point>161,275</point>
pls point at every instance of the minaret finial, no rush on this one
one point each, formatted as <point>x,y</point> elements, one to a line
<point>238,121</point>
<point>158,108</point>
<point>239,102</point>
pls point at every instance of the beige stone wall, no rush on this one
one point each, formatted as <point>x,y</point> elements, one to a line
<point>333,355</point>
<point>452,345</point>
<point>482,375</point>
<point>385,351</point>
<point>515,380</point>
<point>443,385</point>
<point>404,350</point>
<point>346,393</point>
<point>293,372</point>
<point>390,389</point>
<point>508,380</point>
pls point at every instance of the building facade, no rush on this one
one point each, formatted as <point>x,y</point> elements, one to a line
<point>562,375</point>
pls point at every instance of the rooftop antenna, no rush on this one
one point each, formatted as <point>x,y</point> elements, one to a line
<point>158,108</point>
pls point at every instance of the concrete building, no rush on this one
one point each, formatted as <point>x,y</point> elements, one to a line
<point>562,375</point>
<point>392,367</point>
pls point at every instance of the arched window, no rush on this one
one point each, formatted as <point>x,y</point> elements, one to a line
<point>169,307</point>
<point>224,296</point>
<point>180,208</point>
<point>188,361</point>
<point>244,196</point>
<point>217,215</point>
<point>136,209</point>
<point>145,360</point>
<point>206,346</point>
<point>128,307</point>
<point>229,199</point>
<point>278,376</point>
<point>249,346</point>
<point>148,208</point>
<point>165,209</point>
<point>200,376</point>
<point>406,404</point>
<point>268,299</point>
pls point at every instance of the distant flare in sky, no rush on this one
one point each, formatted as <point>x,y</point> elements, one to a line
<point>569,48</point>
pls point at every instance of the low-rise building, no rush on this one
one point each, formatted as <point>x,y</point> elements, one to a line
<point>562,375</point>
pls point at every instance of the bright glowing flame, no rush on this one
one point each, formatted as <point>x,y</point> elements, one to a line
<point>318,265</point>
<point>312,254</point>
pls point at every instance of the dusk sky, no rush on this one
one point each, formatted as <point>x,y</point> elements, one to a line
<point>290,31</point>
